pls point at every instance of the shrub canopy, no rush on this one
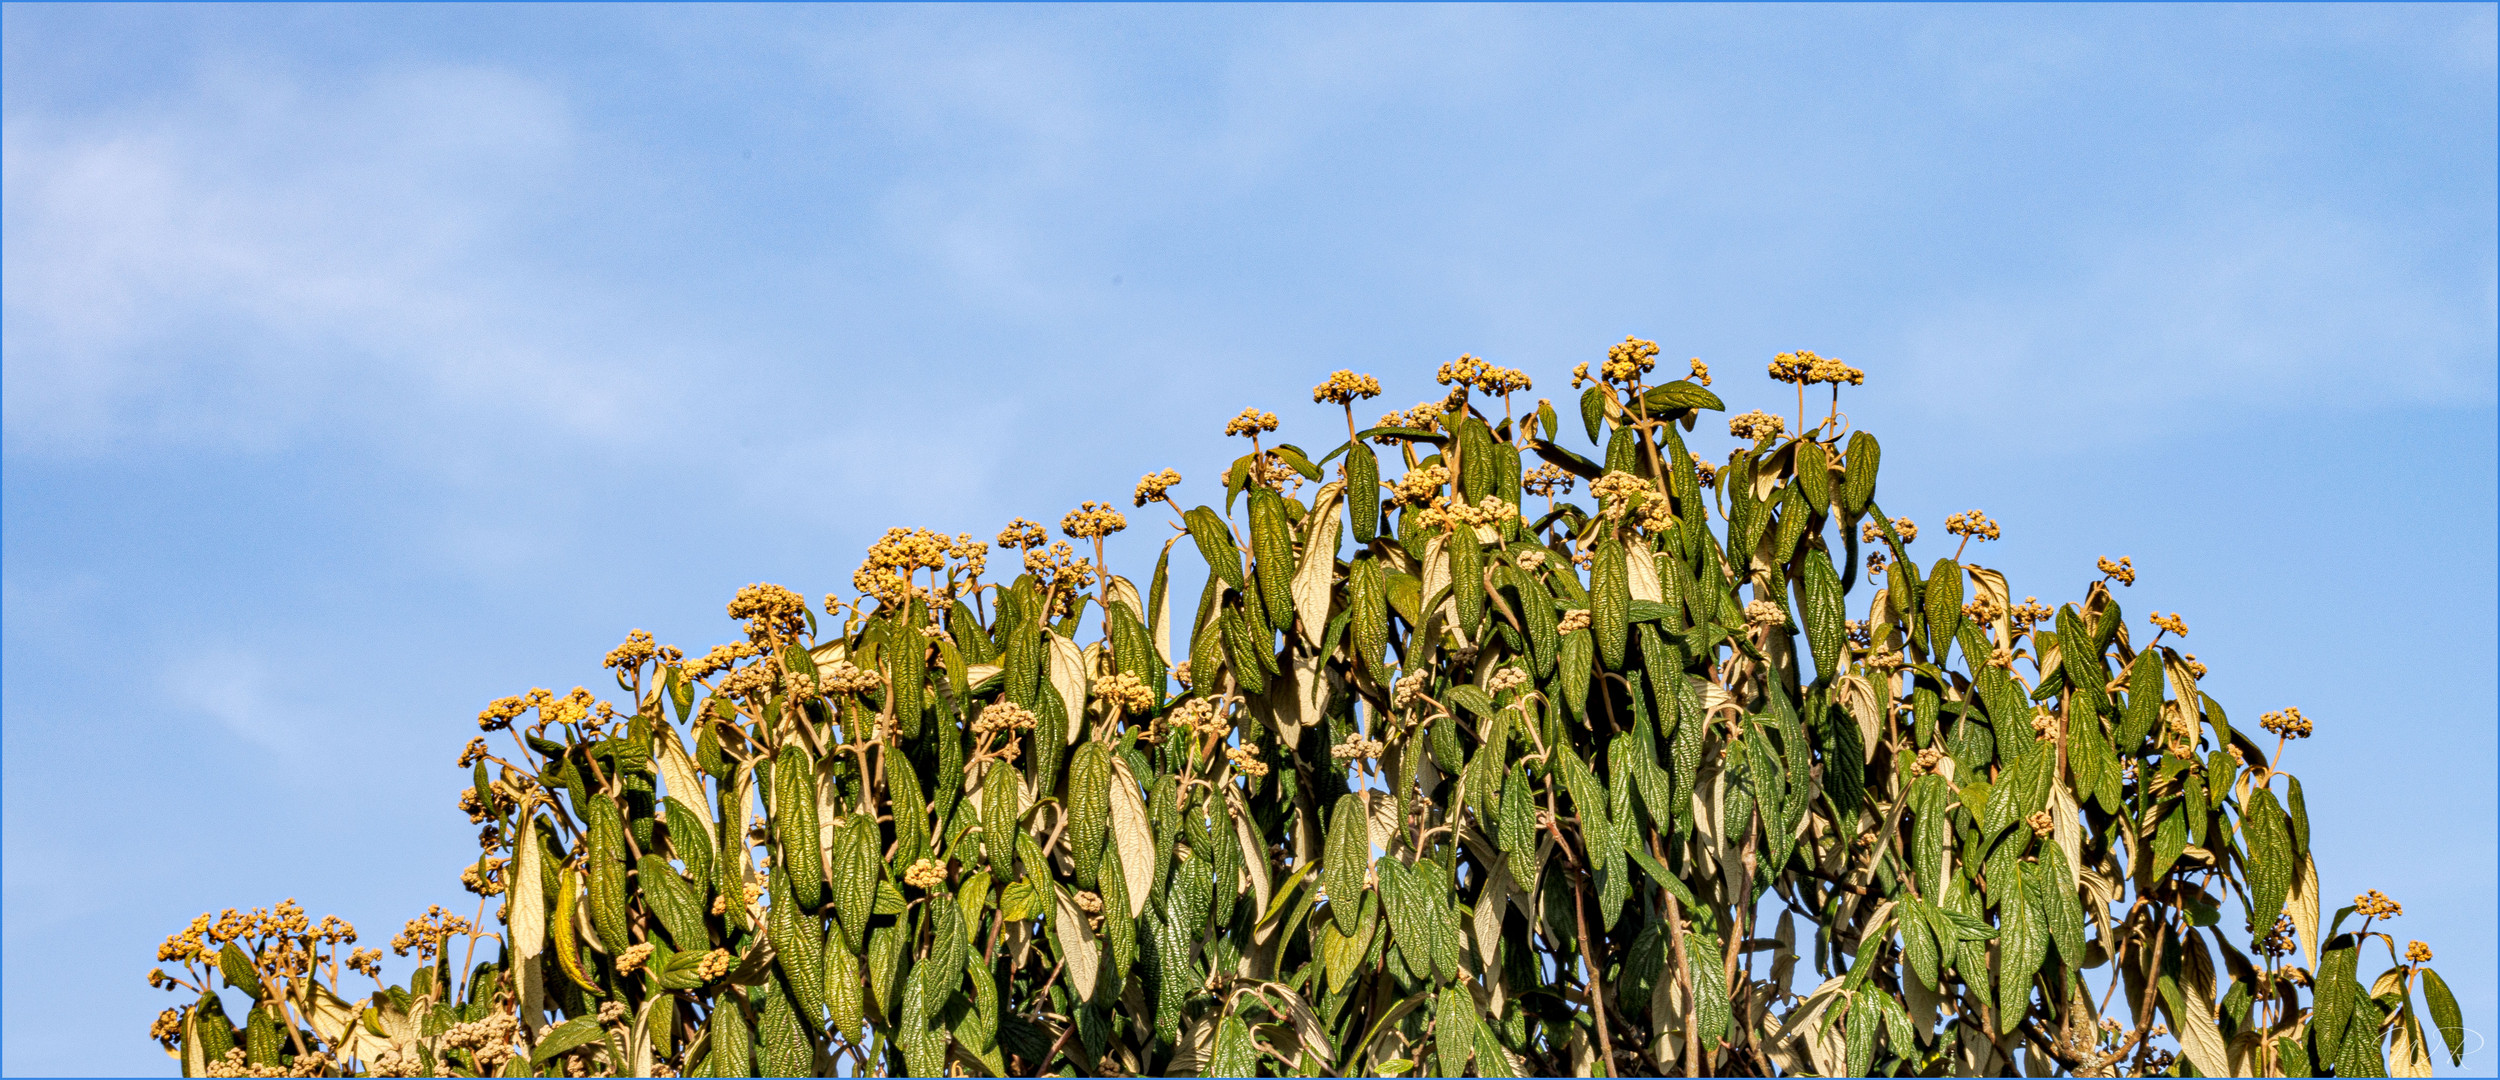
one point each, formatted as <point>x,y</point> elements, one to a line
<point>1446,771</point>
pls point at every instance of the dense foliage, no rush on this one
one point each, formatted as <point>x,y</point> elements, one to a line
<point>1454,774</point>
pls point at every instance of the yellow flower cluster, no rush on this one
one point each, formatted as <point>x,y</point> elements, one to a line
<point>721,658</point>
<point>1573,620</point>
<point>2289,724</point>
<point>489,883</point>
<point>1357,747</point>
<point>1250,423</point>
<point>632,959</point>
<point>1805,369</point>
<point>1246,761</point>
<point>1200,717</point>
<point>2042,824</point>
<point>1443,513</point>
<point>845,677</point>
<point>756,683</point>
<point>1418,486</point>
<point>489,1038</point>
<point>1756,426</point>
<point>426,933</point>
<point>1708,474</point>
<point>573,708</point>
<point>972,554</point>
<point>2170,624</point>
<point>1700,372</point>
<point>1004,716</point>
<point>1059,565</point>
<point>1124,693</point>
<point>1548,480</point>
<point>1929,759</point>
<point>2001,659</point>
<point>2193,666</point>
<point>1152,486</point>
<point>286,921</point>
<point>1616,491</point>
<point>2031,612</point>
<point>1620,494</point>
<point>1409,689</point>
<point>637,650</point>
<point>1983,610</point>
<point>2417,953</point>
<point>1471,371</point>
<point>1532,559</point>
<point>237,1064</point>
<point>2122,571</point>
<point>772,611</point>
<point>1972,524</point>
<point>1020,533</point>
<point>1092,521</point>
<point>894,558</point>
<point>925,874</point>
<point>1270,471</point>
<point>1763,614</point>
<point>1629,359</point>
<point>2375,905</point>
<point>1858,632</point>
<point>1505,680</point>
<point>1423,417</point>
<point>502,711</point>
<point>1345,387</point>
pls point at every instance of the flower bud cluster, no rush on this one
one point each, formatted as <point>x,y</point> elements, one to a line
<point>1972,524</point>
<point>1756,426</point>
<point>1250,423</point>
<point>1471,371</point>
<point>1345,388</point>
<point>1092,521</point>
<point>2289,723</point>
<point>1152,486</point>
<point>1805,369</point>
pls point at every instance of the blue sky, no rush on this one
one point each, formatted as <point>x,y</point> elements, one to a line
<point>362,365</point>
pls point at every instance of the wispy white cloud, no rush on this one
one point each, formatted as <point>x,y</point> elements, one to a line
<point>240,690</point>
<point>2264,310</point>
<point>265,255</point>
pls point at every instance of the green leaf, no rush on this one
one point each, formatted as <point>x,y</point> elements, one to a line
<point>2271,863</point>
<point>1362,492</point>
<point>1860,1031</point>
<point>1593,414</point>
<point>1234,1054</point>
<point>2444,1013</point>
<point>1301,463</point>
<point>1681,394</point>
<point>1407,434</point>
<point>238,971</point>
<point>1610,602</point>
<point>1215,542</point>
<point>1825,614</point>
<point>1566,460</point>
<point>1347,854</point>
<point>1814,475</point>
<point>2337,992</point>
<point>1453,1030</point>
<point>1857,476</point>
<point>570,1035</point>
